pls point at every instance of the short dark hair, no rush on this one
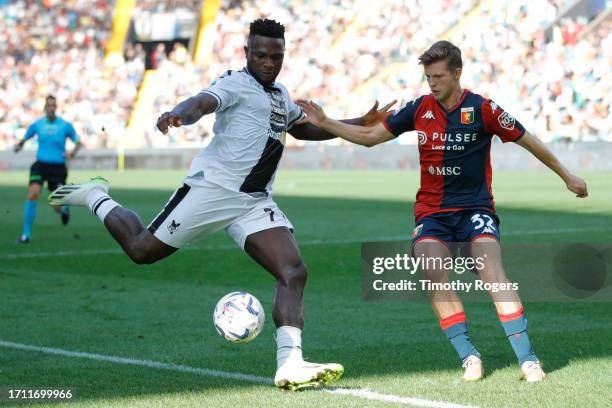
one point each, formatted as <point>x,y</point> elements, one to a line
<point>50,97</point>
<point>442,51</point>
<point>267,28</point>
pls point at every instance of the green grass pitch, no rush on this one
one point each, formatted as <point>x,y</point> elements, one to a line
<point>58,292</point>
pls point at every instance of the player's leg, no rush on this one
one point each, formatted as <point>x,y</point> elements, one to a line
<point>29,212</point>
<point>264,232</point>
<point>29,208</point>
<point>137,242</point>
<point>123,224</point>
<point>276,250</point>
<point>508,305</point>
<point>446,304</point>
<point>57,178</point>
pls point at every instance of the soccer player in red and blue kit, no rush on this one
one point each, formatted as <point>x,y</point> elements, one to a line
<point>454,203</point>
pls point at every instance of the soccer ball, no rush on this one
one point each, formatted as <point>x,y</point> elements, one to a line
<point>239,317</point>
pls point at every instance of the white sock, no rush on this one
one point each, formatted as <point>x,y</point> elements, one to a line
<point>289,346</point>
<point>100,203</point>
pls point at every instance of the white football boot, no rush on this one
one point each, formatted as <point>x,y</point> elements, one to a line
<point>76,194</point>
<point>295,377</point>
<point>531,371</point>
<point>473,368</point>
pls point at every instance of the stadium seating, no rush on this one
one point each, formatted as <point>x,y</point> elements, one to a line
<point>57,47</point>
<point>345,54</point>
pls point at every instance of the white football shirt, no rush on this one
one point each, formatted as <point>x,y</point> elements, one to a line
<point>249,133</point>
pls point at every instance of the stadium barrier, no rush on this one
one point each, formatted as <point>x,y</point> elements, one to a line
<point>578,157</point>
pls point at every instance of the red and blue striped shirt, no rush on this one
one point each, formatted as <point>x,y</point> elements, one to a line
<point>454,150</point>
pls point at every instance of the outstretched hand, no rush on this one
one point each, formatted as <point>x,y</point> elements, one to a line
<point>168,120</point>
<point>577,185</point>
<point>315,115</point>
<point>375,115</point>
<point>17,148</point>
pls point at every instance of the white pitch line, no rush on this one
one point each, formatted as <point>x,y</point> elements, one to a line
<point>359,393</point>
<point>375,396</point>
<point>144,363</point>
<point>313,242</point>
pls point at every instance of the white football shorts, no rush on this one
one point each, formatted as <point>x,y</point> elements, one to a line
<point>203,208</point>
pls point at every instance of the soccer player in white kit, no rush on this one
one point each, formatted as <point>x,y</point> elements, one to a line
<point>229,186</point>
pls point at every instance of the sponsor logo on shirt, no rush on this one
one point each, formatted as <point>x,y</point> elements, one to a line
<point>444,170</point>
<point>452,141</point>
<point>277,135</point>
<point>448,147</point>
<point>506,121</point>
<point>422,137</point>
<point>278,116</point>
<point>456,137</point>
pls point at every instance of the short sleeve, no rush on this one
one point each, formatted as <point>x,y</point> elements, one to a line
<point>499,122</point>
<point>226,89</point>
<point>403,120</point>
<point>295,114</point>
<point>31,131</point>
<point>71,133</point>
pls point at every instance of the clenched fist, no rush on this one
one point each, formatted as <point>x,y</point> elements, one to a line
<point>168,120</point>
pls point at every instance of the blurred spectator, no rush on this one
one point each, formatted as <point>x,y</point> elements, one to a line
<point>345,54</point>
<point>57,47</point>
<point>161,6</point>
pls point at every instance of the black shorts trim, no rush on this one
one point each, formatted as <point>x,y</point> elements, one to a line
<point>178,196</point>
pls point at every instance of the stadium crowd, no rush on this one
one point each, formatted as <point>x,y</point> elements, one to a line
<point>57,47</point>
<point>560,90</point>
<point>345,54</point>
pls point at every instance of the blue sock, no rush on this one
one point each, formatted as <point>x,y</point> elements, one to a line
<point>455,328</point>
<point>515,327</point>
<point>29,213</point>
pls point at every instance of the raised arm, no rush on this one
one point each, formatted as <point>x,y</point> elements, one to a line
<point>533,145</point>
<point>188,112</point>
<point>30,132</point>
<point>308,131</point>
<point>363,135</point>
<point>498,122</point>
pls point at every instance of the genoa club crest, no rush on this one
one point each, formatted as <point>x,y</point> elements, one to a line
<point>467,115</point>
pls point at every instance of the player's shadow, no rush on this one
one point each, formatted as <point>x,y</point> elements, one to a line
<point>107,304</point>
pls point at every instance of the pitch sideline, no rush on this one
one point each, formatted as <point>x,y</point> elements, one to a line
<point>358,392</point>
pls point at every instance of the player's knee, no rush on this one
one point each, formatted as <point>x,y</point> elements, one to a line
<point>436,275</point>
<point>492,273</point>
<point>33,196</point>
<point>294,274</point>
<point>140,253</point>
<point>142,258</point>
<point>138,258</point>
